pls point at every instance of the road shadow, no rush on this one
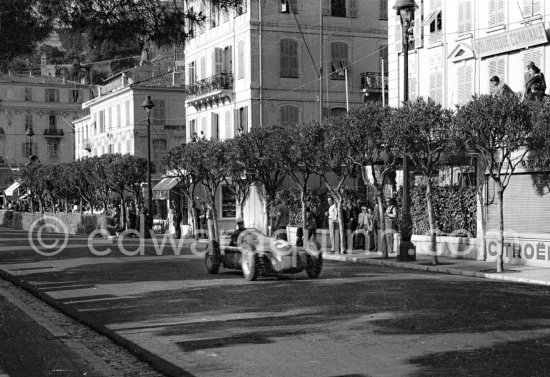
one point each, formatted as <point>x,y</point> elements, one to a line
<point>508,359</point>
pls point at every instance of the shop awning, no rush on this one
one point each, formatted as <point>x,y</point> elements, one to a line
<point>10,190</point>
<point>161,189</point>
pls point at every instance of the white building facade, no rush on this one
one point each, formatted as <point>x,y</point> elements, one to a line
<point>45,105</point>
<point>117,123</point>
<point>259,65</point>
<point>456,46</point>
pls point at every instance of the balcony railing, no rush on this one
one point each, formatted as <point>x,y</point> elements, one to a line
<point>53,132</point>
<point>373,81</point>
<point>211,84</point>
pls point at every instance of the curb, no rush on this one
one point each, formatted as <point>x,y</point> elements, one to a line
<point>442,270</point>
<point>161,365</point>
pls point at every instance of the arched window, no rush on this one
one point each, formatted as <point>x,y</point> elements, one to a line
<point>289,115</point>
<point>337,111</point>
<point>289,58</point>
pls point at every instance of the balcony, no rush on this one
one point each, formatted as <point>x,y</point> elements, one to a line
<point>53,132</point>
<point>372,82</point>
<point>210,90</point>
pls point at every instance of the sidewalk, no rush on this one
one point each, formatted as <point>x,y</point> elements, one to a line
<point>30,347</point>
<point>466,267</point>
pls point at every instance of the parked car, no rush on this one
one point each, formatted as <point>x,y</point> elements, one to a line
<point>257,255</point>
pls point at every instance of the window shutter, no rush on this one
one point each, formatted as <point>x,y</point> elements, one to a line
<point>500,12</point>
<point>255,59</point>
<point>236,122</point>
<point>412,79</point>
<point>57,95</point>
<point>214,132</point>
<point>497,67</point>
<point>464,79</point>
<point>227,127</point>
<point>244,119</point>
<point>536,5</point>
<point>527,8</point>
<point>383,9</point>
<point>398,36</point>
<point>496,12</point>
<point>464,16</point>
<point>326,7</point>
<point>227,60</point>
<point>352,12</point>
<point>534,55</point>
<point>418,27</point>
<point>240,60</point>
<point>203,68</point>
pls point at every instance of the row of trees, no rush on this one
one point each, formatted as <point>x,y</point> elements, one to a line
<point>370,141</point>
<point>93,180</point>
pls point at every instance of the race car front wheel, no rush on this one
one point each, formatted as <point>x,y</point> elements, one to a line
<point>212,257</point>
<point>249,264</point>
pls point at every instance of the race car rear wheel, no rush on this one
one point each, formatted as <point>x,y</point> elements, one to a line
<point>212,257</point>
<point>314,264</point>
<point>249,265</point>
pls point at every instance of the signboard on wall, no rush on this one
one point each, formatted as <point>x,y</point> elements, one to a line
<point>523,251</point>
<point>510,40</point>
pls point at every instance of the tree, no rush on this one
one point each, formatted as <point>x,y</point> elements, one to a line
<point>239,177</point>
<point>81,172</point>
<point>372,147</point>
<point>34,179</point>
<point>266,161</point>
<point>498,129</point>
<point>177,162</point>
<point>336,160</point>
<point>425,131</point>
<point>301,159</point>
<point>208,161</point>
<point>124,172</point>
<point>22,24</point>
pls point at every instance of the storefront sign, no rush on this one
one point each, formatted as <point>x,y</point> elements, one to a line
<point>510,40</point>
<point>523,251</point>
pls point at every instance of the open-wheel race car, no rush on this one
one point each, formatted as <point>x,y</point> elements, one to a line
<point>255,254</point>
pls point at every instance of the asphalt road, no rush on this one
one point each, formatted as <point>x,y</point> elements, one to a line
<point>355,320</point>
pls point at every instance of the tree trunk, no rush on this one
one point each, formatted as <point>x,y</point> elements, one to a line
<point>381,222</point>
<point>214,219</point>
<point>304,215</point>
<point>500,249</point>
<point>241,208</point>
<point>266,212</point>
<point>123,211</point>
<point>342,230</point>
<point>431,220</point>
<point>193,211</point>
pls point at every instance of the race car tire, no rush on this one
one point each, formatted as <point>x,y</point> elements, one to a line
<point>249,265</point>
<point>314,264</point>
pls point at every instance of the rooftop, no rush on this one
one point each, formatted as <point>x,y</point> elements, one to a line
<point>25,79</point>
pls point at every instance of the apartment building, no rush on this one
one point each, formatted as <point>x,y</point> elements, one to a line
<point>116,122</point>
<point>35,119</point>
<point>276,61</point>
<point>455,47</point>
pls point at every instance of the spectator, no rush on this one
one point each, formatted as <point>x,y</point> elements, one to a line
<point>176,219</point>
<point>203,221</point>
<point>281,220</point>
<point>535,81</point>
<point>332,223</point>
<point>236,233</point>
<point>501,88</point>
<point>390,222</point>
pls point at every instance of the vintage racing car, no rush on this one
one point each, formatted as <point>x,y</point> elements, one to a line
<point>256,254</point>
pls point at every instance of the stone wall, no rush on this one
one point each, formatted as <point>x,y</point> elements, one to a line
<point>60,222</point>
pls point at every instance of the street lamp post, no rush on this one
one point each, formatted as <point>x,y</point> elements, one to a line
<point>148,106</point>
<point>405,9</point>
